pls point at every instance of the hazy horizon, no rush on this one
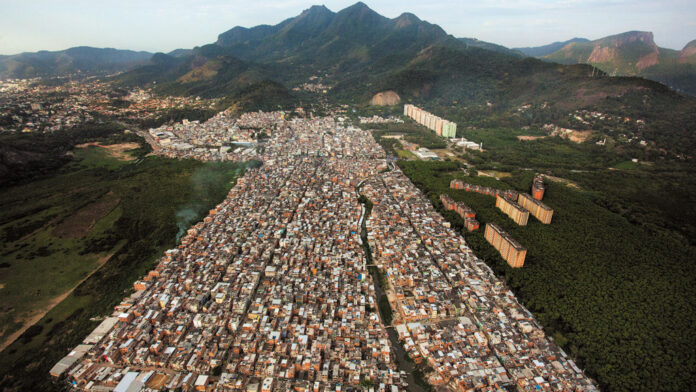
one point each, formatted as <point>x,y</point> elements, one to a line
<point>156,26</point>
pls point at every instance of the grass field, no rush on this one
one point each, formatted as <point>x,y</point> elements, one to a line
<point>627,165</point>
<point>127,216</point>
<point>405,154</point>
<point>44,226</point>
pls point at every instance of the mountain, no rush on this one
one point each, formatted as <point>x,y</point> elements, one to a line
<point>490,46</point>
<point>358,53</point>
<point>340,42</point>
<point>337,45</point>
<point>539,51</point>
<point>81,59</point>
<point>688,54</point>
<point>634,53</point>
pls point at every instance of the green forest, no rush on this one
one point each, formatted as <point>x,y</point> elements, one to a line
<point>617,295</point>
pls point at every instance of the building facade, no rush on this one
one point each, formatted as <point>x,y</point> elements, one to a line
<point>510,250</point>
<point>515,211</point>
<point>540,210</point>
<point>441,126</point>
<point>538,187</point>
<point>484,190</point>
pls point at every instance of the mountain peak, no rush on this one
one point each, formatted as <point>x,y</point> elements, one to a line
<point>629,37</point>
<point>690,45</point>
<point>317,10</point>
<point>406,19</point>
<point>540,51</point>
<point>359,13</point>
<point>688,54</point>
<point>360,9</point>
<point>359,5</point>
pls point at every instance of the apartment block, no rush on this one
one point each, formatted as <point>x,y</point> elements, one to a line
<point>538,187</point>
<point>441,126</point>
<point>510,250</point>
<point>484,190</point>
<point>460,208</point>
<point>516,212</point>
<point>540,210</point>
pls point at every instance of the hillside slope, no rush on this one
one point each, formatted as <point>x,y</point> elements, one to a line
<point>634,53</point>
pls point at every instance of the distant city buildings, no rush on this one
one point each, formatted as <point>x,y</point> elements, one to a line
<point>441,126</point>
<point>375,119</point>
<point>222,137</point>
<point>30,106</point>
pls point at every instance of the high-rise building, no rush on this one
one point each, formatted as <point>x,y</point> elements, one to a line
<point>516,212</point>
<point>538,187</point>
<point>510,250</point>
<point>441,126</point>
<point>540,210</point>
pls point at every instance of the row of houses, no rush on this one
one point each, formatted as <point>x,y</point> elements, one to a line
<point>484,190</point>
<point>467,213</point>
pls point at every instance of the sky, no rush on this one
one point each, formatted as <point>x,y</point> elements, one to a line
<point>162,26</point>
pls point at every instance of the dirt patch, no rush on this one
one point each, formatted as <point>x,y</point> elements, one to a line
<point>579,136</point>
<point>586,97</point>
<point>385,98</point>
<point>563,181</point>
<point>80,223</point>
<point>527,137</point>
<point>117,151</point>
<point>157,381</point>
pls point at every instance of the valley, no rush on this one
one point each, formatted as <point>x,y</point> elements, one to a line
<point>267,212</point>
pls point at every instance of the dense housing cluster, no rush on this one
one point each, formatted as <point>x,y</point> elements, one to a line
<point>451,312</point>
<point>222,137</point>
<point>271,291</point>
<point>441,126</point>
